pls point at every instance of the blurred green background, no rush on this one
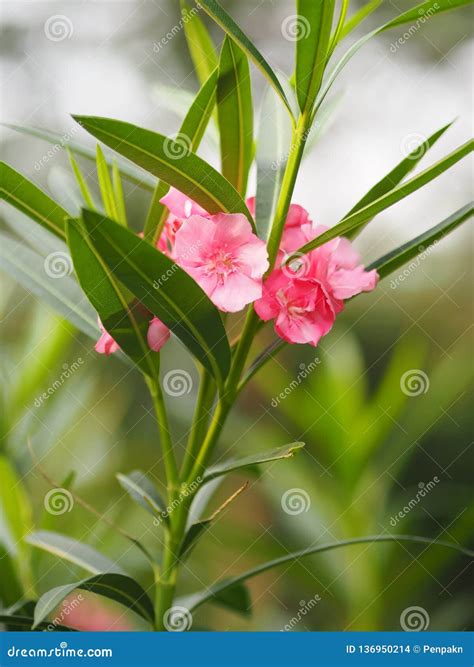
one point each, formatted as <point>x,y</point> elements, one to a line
<point>370,445</point>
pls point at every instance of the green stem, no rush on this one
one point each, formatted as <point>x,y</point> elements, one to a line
<point>200,420</point>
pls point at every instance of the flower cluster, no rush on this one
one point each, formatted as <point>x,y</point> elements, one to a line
<point>223,255</point>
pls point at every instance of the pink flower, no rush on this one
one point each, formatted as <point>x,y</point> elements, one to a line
<point>157,335</point>
<point>105,344</point>
<point>305,296</point>
<point>181,208</point>
<point>224,257</point>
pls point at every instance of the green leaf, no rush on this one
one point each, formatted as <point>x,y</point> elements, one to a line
<point>165,289</point>
<point>143,491</point>
<point>201,47</point>
<point>120,314</point>
<point>215,592</point>
<point>128,171</point>
<point>29,199</point>
<point>192,535</point>
<point>230,27</point>
<point>73,551</point>
<point>191,133</point>
<point>397,258</point>
<point>10,587</point>
<point>249,461</point>
<point>274,138</point>
<point>394,177</point>
<point>392,197</point>
<point>105,185</point>
<point>235,113</point>
<point>313,21</point>
<point>117,587</point>
<point>86,195</point>
<point>359,16</point>
<point>118,195</point>
<point>171,161</point>
<point>14,621</point>
<point>64,294</point>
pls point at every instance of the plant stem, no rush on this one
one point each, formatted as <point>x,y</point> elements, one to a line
<point>200,420</point>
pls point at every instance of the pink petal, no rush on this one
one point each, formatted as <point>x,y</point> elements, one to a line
<point>106,344</point>
<point>348,283</point>
<point>232,230</point>
<point>297,216</point>
<point>236,292</point>
<point>158,334</point>
<point>181,205</point>
<point>193,241</point>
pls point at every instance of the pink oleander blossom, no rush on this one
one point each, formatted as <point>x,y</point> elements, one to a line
<point>224,257</point>
<point>157,335</point>
<point>180,208</point>
<point>305,296</point>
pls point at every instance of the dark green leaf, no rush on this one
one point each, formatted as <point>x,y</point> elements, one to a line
<point>73,551</point>
<point>10,586</point>
<point>392,197</point>
<point>394,177</point>
<point>254,459</point>
<point>170,160</point>
<point>201,47</point>
<point>235,112</point>
<point>165,289</point>
<point>115,587</point>
<point>121,315</point>
<point>227,23</point>
<point>29,199</point>
<point>143,491</point>
<point>313,23</point>
<point>18,621</point>
<point>193,533</point>
<point>397,258</point>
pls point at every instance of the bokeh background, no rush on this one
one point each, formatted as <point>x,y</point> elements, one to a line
<point>373,441</point>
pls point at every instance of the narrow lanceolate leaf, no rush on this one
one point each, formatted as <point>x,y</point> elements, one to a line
<point>73,551</point>
<point>394,177</point>
<point>30,200</point>
<point>165,289</point>
<point>191,132</point>
<point>143,491</point>
<point>117,587</point>
<point>60,142</point>
<point>418,15</point>
<point>105,186</point>
<point>235,113</point>
<point>397,258</point>
<point>359,16</point>
<point>274,138</point>
<point>118,195</point>
<point>215,592</point>
<point>201,47</point>
<point>85,192</point>
<point>171,160</point>
<point>64,294</point>
<point>250,461</point>
<point>313,23</point>
<point>227,23</point>
<point>120,314</point>
<point>392,197</point>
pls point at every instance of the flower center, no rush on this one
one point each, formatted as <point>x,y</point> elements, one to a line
<point>222,264</point>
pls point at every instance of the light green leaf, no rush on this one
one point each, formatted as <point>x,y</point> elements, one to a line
<point>29,199</point>
<point>118,195</point>
<point>117,587</point>
<point>230,27</point>
<point>286,452</point>
<point>359,16</point>
<point>201,47</point>
<point>73,551</point>
<point>235,113</point>
<point>143,491</point>
<point>170,160</point>
<point>86,195</point>
<point>105,185</point>
<point>165,289</point>
<point>392,197</point>
<point>397,258</point>
<point>63,294</point>
<point>394,177</point>
<point>313,21</point>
